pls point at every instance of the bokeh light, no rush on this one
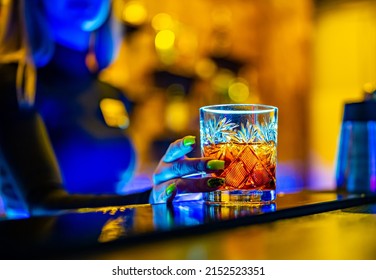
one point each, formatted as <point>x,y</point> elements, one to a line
<point>162,21</point>
<point>238,91</point>
<point>205,68</point>
<point>222,81</point>
<point>134,13</point>
<point>114,113</point>
<point>164,40</point>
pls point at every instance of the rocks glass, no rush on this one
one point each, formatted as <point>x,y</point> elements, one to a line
<point>245,137</point>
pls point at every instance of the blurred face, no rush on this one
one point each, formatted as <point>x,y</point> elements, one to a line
<point>86,15</point>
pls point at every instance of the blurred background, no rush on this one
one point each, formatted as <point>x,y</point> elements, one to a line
<point>306,57</point>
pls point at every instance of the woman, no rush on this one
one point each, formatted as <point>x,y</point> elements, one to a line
<point>54,138</point>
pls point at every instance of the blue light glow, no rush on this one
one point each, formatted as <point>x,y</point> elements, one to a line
<point>92,165</point>
<point>72,21</point>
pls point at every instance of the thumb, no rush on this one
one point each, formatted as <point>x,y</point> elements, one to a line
<point>161,194</point>
<point>170,193</point>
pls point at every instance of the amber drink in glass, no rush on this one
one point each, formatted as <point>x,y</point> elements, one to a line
<point>245,137</point>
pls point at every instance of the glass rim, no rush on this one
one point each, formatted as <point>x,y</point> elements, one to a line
<point>217,109</point>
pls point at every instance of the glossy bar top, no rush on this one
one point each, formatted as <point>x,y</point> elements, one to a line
<point>114,232</point>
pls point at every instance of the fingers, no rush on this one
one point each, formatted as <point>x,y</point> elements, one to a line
<point>175,165</point>
<point>207,184</point>
<point>187,166</point>
<point>165,193</point>
<point>179,148</point>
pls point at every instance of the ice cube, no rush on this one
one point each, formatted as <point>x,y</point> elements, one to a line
<point>236,174</point>
<point>248,158</point>
<point>231,151</point>
<point>249,183</point>
<point>260,176</point>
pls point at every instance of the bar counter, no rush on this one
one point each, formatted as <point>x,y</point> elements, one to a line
<point>303,225</point>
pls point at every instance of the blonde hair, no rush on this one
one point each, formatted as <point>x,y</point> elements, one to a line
<point>25,39</point>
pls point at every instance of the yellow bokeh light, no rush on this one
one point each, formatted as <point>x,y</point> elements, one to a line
<point>205,68</point>
<point>114,113</point>
<point>134,13</point>
<point>222,81</point>
<point>238,91</point>
<point>177,116</point>
<point>165,40</point>
<point>162,21</point>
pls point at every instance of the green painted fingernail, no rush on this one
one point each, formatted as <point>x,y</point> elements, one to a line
<point>216,182</point>
<point>189,140</point>
<point>215,164</point>
<point>170,189</point>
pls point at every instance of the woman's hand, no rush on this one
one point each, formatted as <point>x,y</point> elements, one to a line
<point>170,176</point>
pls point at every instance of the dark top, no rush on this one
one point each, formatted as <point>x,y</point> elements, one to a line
<point>360,111</point>
<point>93,157</point>
<point>62,137</point>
